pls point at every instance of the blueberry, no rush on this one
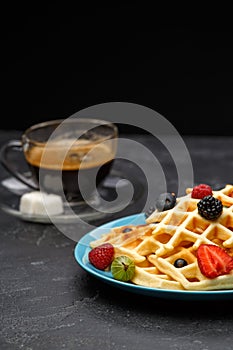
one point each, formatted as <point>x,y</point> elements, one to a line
<point>165,201</point>
<point>149,212</point>
<point>127,229</point>
<point>180,263</point>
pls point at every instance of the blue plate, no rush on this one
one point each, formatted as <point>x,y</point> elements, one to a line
<point>81,255</point>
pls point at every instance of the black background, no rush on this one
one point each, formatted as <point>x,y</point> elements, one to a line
<point>55,64</point>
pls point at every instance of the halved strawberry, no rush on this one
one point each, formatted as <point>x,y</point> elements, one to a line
<point>101,256</point>
<point>213,261</point>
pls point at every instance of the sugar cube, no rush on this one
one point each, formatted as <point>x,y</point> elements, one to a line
<point>40,203</point>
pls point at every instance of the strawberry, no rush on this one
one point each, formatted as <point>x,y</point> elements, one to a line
<point>213,260</point>
<point>201,191</point>
<point>101,256</point>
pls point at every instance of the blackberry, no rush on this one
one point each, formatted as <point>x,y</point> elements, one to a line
<point>209,207</point>
<point>166,201</point>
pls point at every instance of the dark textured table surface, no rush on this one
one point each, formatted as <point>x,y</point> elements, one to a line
<point>49,302</point>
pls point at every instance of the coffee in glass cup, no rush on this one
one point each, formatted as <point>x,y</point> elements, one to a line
<point>66,157</point>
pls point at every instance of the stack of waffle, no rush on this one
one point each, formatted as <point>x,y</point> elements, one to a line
<point>176,234</point>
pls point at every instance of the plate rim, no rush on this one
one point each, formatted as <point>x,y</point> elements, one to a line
<point>80,252</point>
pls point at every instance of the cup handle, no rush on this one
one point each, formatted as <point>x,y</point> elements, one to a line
<point>15,145</point>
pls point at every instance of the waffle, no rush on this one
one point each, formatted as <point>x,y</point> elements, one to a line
<point>125,240</point>
<point>172,234</point>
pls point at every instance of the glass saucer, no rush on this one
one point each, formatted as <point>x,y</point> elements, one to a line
<point>11,191</point>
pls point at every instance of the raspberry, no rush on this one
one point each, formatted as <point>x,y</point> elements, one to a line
<point>101,256</point>
<point>201,191</point>
<point>210,208</point>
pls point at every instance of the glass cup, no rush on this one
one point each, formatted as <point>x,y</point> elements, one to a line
<point>68,157</point>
